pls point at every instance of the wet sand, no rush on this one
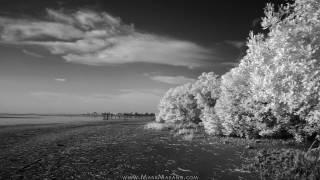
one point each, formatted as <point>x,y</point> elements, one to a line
<point>111,150</point>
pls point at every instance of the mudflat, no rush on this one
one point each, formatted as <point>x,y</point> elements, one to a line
<point>114,149</point>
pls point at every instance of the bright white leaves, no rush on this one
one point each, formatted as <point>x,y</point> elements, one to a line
<point>207,90</point>
<point>193,103</point>
<point>278,80</point>
<point>275,90</point>
<point>179,105</point>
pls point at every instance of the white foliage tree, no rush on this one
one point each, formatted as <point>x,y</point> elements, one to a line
<point>230,105</point>
<point>287,78</point>
<point>207,90</point>
<point>275,88</point>
<point>179,105</point>
<point>274,91</point>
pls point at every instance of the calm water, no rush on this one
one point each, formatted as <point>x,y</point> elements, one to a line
<point>38,119</point>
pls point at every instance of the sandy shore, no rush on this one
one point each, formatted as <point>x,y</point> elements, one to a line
<point>110,150</point>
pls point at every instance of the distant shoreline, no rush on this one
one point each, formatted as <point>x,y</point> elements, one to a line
<point>28,115</point>
<point>25,117</point>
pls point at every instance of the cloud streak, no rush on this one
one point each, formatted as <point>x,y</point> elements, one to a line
<point>93,38</point>
<point>32,53</point>
<point>176,80</point>
<point>237,44</point>
<point>60,79</point>
<point>131,100</point>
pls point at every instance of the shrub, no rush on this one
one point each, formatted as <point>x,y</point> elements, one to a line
<point>275,89</point>
<point>287,164</point>
<point>207,91</point>
<point>230,105</point>
<point>193,103</point>
<point>157,126</point>
<point>287,78</point>
<point>179,105</point>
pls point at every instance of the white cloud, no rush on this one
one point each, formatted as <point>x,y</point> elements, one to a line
<point>158,92</point>
<point>177,80</point>
<point>237,44</point>
<point>92,38</point>
<point>32,54</point>
<point>62,95</point>
<point>46,94</point>
<point>20,30</point>
<point>60,79</point>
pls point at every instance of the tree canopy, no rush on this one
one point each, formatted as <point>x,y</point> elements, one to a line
<point>275,89</point>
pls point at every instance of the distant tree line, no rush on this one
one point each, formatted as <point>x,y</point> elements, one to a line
<point>112,115</point>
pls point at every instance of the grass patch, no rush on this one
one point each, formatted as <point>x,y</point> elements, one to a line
<point>157,126</point>
<point>283,159</point>
<point>286,164</point>
<point>267,158</point>
<point>186,134</point>
<point>186,131</point>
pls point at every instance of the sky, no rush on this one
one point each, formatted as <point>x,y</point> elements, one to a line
<point>78,56</point>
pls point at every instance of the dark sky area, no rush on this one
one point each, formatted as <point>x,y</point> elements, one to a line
<point>74,56</point>
<point>202,21</point>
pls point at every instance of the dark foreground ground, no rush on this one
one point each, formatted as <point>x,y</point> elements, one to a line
<point>112,150</point>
